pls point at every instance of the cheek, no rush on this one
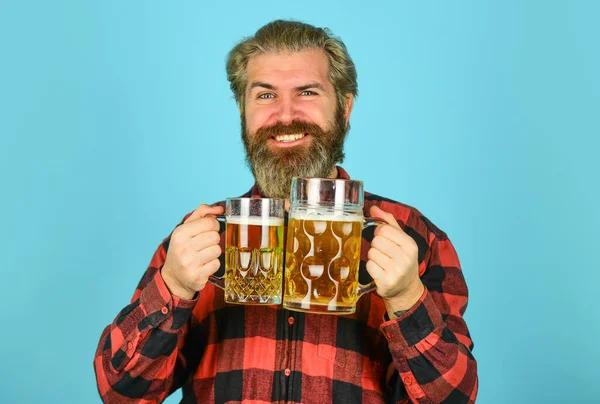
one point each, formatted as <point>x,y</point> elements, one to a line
<point>255,119</point>
<point>320,114</point>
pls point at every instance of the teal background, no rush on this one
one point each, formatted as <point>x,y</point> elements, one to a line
<point>116,119</point>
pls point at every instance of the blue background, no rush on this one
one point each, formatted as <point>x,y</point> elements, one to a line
<point>117,119</point>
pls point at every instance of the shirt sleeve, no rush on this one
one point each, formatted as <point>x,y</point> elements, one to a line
<point>430,344</point>
<point>139,354</point>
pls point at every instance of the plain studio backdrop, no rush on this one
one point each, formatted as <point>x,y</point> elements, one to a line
<point>116,120</point>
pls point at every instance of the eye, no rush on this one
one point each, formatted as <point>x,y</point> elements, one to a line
<point>266,96</point>
<point>308,92</point>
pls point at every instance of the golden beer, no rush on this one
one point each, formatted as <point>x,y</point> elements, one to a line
<point>253,260</point>
<point>321,263</point>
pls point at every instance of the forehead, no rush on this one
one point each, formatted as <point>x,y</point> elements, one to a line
<point>291,69</point>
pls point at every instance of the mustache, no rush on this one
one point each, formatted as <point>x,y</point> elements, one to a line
<point>293,127</point>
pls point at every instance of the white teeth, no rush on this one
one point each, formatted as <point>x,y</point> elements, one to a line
<point>289,138</point>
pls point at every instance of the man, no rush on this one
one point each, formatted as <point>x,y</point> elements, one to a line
<point>295,87</point>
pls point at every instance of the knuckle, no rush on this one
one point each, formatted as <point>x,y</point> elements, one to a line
<point>217,250</point>
<point>209,224</point>
<point>184,251</point>
<point>384,230</point>
<point>176,235</point>
<point>214,265</point>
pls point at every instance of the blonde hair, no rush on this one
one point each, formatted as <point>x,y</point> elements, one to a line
<point>292,36</point>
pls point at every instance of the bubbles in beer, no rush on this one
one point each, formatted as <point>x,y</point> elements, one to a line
<point>265,259</point>
<point>312,267</point>
<point>253,260</point>
<point>301,242</point>
<point>245,256</point>
<point>352,249</point>
<point>323,290</point>
<point>341,229</point>
<point>340,269</point>
<point>315,227</point>
<point>322,260</point>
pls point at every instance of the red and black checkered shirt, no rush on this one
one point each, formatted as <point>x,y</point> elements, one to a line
<point>227,353</point>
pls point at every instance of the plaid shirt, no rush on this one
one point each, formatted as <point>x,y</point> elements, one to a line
<point>265,354</point>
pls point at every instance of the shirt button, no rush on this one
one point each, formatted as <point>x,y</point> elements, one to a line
<point>164,310</point>
<point>129,346</point>
<point>291,320</point>
<point>287,372</point>
<point>389,334</point>
<point>408,380</point>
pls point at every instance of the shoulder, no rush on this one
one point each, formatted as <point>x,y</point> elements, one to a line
<point>406,215</point>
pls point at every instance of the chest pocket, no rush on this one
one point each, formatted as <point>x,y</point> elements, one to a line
<point>353,347</point>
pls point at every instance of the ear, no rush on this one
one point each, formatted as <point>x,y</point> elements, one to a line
<point>348,107</point>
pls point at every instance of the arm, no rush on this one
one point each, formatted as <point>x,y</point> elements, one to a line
<point>430,343</point>
<point>139,354</point>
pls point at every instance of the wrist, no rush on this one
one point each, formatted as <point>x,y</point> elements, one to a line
<point>405,300</point>
<point>175,288</point>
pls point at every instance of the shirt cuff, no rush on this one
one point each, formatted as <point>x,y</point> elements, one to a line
<point>414,325</point>
<point>160,305</point>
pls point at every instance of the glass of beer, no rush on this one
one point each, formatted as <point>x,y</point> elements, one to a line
<point>253,251</point>
<point>323,246</point>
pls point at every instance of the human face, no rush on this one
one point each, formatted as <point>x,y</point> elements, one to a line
<point>291,122</point>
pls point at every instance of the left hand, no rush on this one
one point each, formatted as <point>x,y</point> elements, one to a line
<point>393,263</point>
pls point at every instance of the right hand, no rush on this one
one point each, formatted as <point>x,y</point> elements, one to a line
<point>193,253</point>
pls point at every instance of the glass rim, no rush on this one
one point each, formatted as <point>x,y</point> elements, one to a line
<point>243,198</point>
<point>346,180</point>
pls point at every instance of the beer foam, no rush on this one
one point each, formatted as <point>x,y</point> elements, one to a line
<point>315,214</point>
<point>255,221</point>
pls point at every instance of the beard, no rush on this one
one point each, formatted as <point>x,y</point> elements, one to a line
<point>273,169</point>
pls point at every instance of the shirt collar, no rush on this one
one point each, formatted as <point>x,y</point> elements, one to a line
<point>255,191</point>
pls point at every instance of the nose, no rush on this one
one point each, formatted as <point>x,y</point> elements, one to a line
<point>287,110</point>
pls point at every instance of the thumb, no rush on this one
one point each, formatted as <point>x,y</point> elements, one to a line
<point>202,211</point>
<point>379,213</point>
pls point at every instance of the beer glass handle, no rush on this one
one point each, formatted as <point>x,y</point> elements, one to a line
<point>371,221</point>
<point>369,287</point>
<point>218,282</point>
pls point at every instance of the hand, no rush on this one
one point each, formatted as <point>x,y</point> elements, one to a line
<point>394,265</point>
<point>193,253</point>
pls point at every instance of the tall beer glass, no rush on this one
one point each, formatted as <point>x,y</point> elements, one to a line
<point>253,251</point>
<point>323,246</point>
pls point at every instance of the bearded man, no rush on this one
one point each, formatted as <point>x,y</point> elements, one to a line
<point>295,86</point>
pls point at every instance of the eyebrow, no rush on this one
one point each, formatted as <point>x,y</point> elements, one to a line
<point>268,86</point>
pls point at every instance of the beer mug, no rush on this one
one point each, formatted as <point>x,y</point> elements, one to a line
<point>253,251</point>
<point>323,246</point>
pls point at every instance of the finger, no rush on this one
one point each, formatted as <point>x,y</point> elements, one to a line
<point>379,213</point>
<point>203,210</point>
<point>387,247</point>
<point>375,270</point>
<point>383,261</point>
<point>199,226</point>
<point>395,235</point>
<point>211,267</point>
<point>204,240</point>
<point>207,255</point>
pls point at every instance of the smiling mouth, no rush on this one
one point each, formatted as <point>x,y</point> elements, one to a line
<point>289,138</point>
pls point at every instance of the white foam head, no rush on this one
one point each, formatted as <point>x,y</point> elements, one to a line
<point>255,220</point>
<point>325,214</point>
